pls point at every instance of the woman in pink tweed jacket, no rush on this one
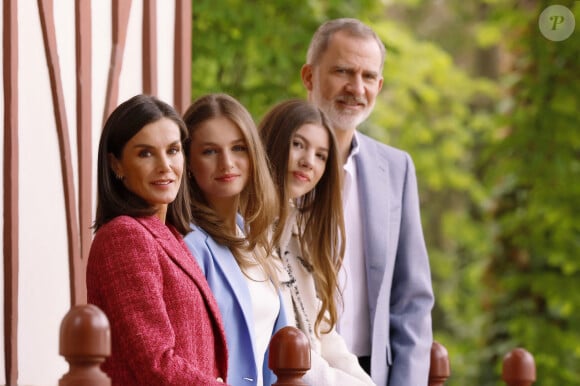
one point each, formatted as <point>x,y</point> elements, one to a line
<point>165,324</point>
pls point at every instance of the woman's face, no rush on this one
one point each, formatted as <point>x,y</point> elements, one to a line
<point>219,160</point>
<point>307,159</point>
<point>151,164</point>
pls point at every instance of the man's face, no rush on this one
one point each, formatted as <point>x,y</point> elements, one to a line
<point>346,81</point>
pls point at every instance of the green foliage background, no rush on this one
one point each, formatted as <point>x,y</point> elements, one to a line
<point>488,108</point>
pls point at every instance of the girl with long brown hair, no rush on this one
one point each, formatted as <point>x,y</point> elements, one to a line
<point>310,233</point>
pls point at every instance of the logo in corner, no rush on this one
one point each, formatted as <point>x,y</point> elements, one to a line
<point>556,23</point>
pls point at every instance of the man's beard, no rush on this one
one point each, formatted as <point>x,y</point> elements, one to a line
<point>342,119</point>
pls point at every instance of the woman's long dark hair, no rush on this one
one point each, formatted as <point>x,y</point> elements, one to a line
<point>113,198</point>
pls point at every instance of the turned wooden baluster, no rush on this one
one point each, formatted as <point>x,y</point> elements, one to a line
<point>85,343</point>
<point>519,368</point>
<point>439,369</point>
<point>289,356</point>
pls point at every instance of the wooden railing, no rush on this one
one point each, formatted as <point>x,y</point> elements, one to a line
<point>289,356</point>
<point>519,368</point>
<point>440,369</point>
<point>85,343</point>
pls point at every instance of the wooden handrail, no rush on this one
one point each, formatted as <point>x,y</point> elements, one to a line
<point>85,343</point>
<point>439,370</point>
<point>289,356</point>
<point>519,368</point>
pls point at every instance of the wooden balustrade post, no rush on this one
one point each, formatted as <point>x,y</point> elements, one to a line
<point>85,343</point>
<point>519,368</point>
<point>439,370</point>
<point>289,356</point>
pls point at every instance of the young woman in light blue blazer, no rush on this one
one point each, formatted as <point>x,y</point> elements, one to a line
<point>234,204</point>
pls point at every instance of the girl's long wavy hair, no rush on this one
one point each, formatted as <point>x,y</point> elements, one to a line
<point>320,213</point>
<point>258,202</point>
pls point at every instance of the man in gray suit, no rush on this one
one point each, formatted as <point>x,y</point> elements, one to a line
<point>385,277</point>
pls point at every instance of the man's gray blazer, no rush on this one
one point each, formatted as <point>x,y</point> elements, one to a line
<point>397,265</point>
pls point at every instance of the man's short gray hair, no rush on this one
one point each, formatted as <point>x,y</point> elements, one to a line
<point>353,27</point>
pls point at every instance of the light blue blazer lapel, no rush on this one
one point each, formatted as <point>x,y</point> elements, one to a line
<point>281,321</point>
<point>226,262</point>
<point>373,178</point>
<point>231,292</point>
